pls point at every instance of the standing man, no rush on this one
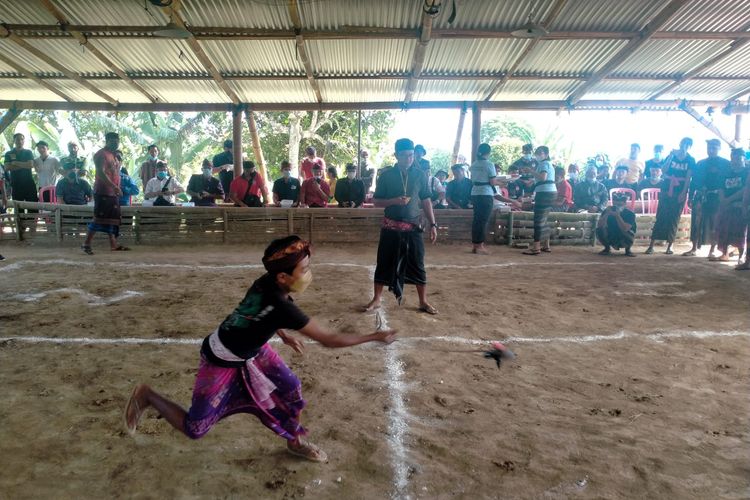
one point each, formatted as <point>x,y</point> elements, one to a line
<point>73,161</point>
<point>287,187</point>
<point>148,167</point>
<point>402,191</point>
<point>247,189</point>
<point>635,166</point>
<point>527,160</point>
<point>203,188</point>
<point>224,166</point>
<point>315,191</point>
<point>311,159</point>
<point>420,161</point>
<point>350,191</point>
<point>656,161</point>
<point>47,168</point>
<point>107,194</point>
<point>19,162</point>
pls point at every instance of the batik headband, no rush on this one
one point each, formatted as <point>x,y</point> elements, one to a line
<point>287,258</point>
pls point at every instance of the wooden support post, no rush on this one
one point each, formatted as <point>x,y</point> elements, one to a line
<point>359,144</point>
<point>290,221</point>
<point>58,225</point>
<point>225,216</point>
<point>738,130</point>
<point>237,140</point>
<point>594,225</point>
<point>687,108</point>
<point>137,226</point>
<point>510,228</point>
<point>19,226</point>
<point>459,132</point>
<point>476,128</point>
<point>257,150</point>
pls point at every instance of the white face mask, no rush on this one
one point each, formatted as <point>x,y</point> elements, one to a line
<point>317,175</point>
<point>351,175</point>
<point>207,172</point>
<point>286,173</point>
<point>302,283</point>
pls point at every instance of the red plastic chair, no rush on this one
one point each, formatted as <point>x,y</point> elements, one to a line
<point>628,191</point>
<point>504,192</point>
<point>650,197</point>
<point>51,191</point>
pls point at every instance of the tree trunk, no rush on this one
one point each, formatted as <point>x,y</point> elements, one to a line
<point>295,137</point>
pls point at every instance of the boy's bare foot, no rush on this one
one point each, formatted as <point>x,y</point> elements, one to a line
<point>134,409</point>
<point>425,307</point>
<point>306,450</point>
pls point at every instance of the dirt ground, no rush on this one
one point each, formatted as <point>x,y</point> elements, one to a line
<point>631,378</point>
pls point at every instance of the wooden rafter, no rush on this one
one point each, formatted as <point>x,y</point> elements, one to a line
<point>32,76</point>
<point>635,43</point>
<point>304,58</point>
<point>740,94</point>
<point>556,8</point>
<point>59,67</point>
<point>52,9</point>
<point>417,60</point>
<point>8,118</point>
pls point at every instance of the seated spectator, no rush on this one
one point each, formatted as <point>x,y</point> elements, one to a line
<point>620,180</point>
<point>564,201</point>
<point>332,177</point>
<point>248,189</point>
<point>315,192</point>
<point>437,188</point>
<point>653,181</point>
<point>527,180</point>
<point>162,188</point>
<point>127,186</point>
<point>590,195</point>
<point>616,227</point>
<point>350,191</point>
<point>514,187</point>
<point>204,189</point>
<point>603,168</point>
<point>224,166</point>
<point>574,175</point>
<point>458,191</point>
<point>287,187</point>
<point>73,190</point>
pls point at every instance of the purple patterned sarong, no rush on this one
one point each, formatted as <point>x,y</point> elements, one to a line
<point>264,387</point>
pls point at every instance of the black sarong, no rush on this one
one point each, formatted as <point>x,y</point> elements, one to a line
<point>400,260</point>
<point>107,217</point>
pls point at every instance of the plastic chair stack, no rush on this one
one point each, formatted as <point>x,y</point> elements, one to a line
<point>48,190</point>
<point>650,197</point>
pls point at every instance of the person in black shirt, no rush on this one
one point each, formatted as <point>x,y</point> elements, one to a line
<point>620,179</point>
<point>19,162</point>
<point>204,189</point>
<point>656,161</point>
<point>239,372</point>
<point>616,226</point>
<point>402,191</point>
<point>526,160</point>
<point>287,187</point>
<point>350,192</point>
<point>226,176</point>
<point>458,192</point>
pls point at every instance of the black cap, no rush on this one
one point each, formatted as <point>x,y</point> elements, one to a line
<point>351,167</point>
<point>228,143</point>
<point>42,143</point>
<point>404,145</point>
<point>248,164</point>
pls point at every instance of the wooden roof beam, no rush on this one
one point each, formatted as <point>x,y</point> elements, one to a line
<point>32,76</point>
<point>417,60</point>
<point>556,8</point>
<point>59,67</point>
<point>304,58</point>
<point>656,23</point>
<point>64,24</point>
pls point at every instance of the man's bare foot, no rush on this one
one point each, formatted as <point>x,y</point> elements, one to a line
<point>134,409</point>
<point>374,304</point>
<point>306,450</point>
<point>425,307</point>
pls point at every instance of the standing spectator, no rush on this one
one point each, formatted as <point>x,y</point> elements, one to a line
<point>311,159</point>
<point>128,187</point>
<point>163,187</point>
<point>148,167</point>
<point>420,161</point>
<point>315,192</point>
<point>732,221</point>
<point>483,174</point>
<point>203,188</point>
<point>72,189</point>
<point>545,194</point>
<point>73,161</point>
<point>47,168</point>
<point>616,226</point>
<point>564,201</point>
<point>19,162</point>
<point>590,195</point>
<point>620,180</point>
<point>458,192</point>
<point>680,166</point>
<point>224,166</point>
<point>332,177</point>
<point>656,161</point>
<point>247,189</point>
<point>106,196</point>
<point>652,181</point>
<point>746,207</point>
<point>527,159</point>
<point>350,191</point>
<point>287,187</point>
<point>635,166</point>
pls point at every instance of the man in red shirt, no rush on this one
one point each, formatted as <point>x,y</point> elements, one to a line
<point>315,192</point>
<point>247,190</point>
<point>305,168</point>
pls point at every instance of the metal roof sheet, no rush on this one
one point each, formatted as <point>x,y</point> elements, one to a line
<point>620,89</point>
<point>525,90</point>
<point>379,90</point>
<point>452,90</point>
<point>25,12</point>
<point>264,57</point>
<point>711,15</point>
<point>23,58</point>
<point>502,15</point>
<point>152,56</point>
<point>19,90</point>
<point>237,14</point>
<point>120,90</point>
<point>472,57</point>
<point>606,15</point>
<point>108,12</point>
<point>75,90</point>
<point>258,91</point>
<point>669,57</point>
<point>708,89</point>
<point>335,15</point>
<point>569,57</point>
<point>733,65</point>
<point>72,55</point>
<point>186,91</point>
<point>360,57</point>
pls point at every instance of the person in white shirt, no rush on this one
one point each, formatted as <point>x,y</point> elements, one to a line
<point>162,188</point>
<point>47,168</point>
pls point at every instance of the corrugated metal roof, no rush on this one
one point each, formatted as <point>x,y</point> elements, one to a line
<point>619,89</point>
<point>153,56</point>
<point>707,89</point>
<point>606,15</point>
<point>19,90</point>
<point>72,55</point>
<point>120,12</point>
<point>569,57</point>
<point>186,91</point>
<point>360,57</point>
<point>258,91</point>
<point>333,15</point>
<point>120,90</point>
<point>266,57</point>
<point>669,57</point>
<point>530,90</point>
<point>25,12</point>
<point>472,57</point>
<point>75,90</point>
<point>502,15</point>
<point>238,13</point>
<point>23,58</point>
<point>452,90</point>
<point>363,90</point>
<point>735,64</point>
<point>711,15</point>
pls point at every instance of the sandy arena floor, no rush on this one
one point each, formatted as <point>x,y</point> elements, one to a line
<point>631,379</point>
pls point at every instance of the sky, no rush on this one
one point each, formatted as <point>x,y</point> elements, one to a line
<point>588,132</point>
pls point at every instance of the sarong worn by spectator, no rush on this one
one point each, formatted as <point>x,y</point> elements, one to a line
<point>239,372</point>
<point>732,220</point>
<point>545,194</point>
<point>617,226</point>
<point>746,207</point>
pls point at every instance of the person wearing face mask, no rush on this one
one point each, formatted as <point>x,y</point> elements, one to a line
<point>527,160</point>
<point>601,161</point>
<point>656,161</point>
<point>350,191</point>
<point>204,189</point>
<point>315,192</point>
<point>617,226</point>
<point>162,188</point>
<point>732,220</point>
<point>590,195</point>
<point>239,371</point>
<point>287,187</point>
<point>73,160</point>
<point>652,181</point>
<point>311,159</point>
<point>248,189</point>
<point>73,190</point>
<point>574,175</point>
<point>148,167</point>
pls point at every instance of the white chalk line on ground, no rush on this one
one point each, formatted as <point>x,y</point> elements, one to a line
<point>654,293</point>
<point>90,298</point>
